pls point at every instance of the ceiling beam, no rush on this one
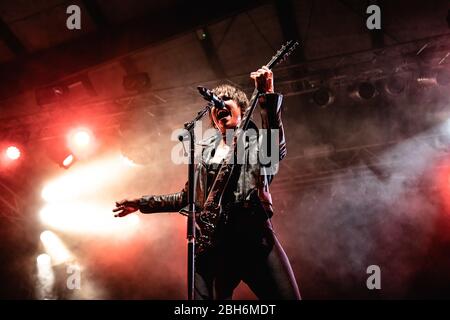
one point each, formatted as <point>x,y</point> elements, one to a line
<point>288,23</point>
<point>11,40</point>
<point>43,68</point>
<point>211,53</point>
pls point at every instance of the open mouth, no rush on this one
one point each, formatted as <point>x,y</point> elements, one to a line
<point>222,113</point>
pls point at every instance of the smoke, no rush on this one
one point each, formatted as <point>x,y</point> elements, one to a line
<point>148,264</point>
<point>369,214</point>
<point>331,232</point>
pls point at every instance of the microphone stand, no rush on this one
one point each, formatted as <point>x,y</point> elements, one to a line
<point>190,209</point>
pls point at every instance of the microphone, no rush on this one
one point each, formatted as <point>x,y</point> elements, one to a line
<point>211,97</point>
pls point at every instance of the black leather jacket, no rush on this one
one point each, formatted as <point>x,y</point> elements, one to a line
<point>253,179</point>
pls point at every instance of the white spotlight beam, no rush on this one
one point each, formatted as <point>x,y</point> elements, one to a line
<point>55,248</point>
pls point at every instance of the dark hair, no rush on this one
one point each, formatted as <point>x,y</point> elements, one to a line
<point>233,93</point>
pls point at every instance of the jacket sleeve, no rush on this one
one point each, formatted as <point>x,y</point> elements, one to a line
<point>163,203</point>
<point>270,104</point>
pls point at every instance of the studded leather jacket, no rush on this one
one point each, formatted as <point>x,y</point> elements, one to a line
<point>253,177</point>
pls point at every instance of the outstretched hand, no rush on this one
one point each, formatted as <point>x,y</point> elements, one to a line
<point>125,207</point>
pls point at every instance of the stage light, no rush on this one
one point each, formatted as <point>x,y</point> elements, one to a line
<point>55,248</point>
<point>45,277</point>
<point>363,91</point>
<point>85,179</point>
<point>82,138</point>
<point>394,85</point>
<point>432,77</point>
<point>13,152</point>
<point>76,200</point>
<point>44,260</point>
<point>58,151</point>
<point>323,97</point>
<point>366,90</point>
<point>87,218</point>
<point>81,142</point>
<point>67,162</point>
<point>426,78</point>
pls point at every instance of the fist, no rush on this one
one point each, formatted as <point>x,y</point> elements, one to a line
<point>263,80</point>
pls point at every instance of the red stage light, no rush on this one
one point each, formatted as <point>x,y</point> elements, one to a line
<point>81,142</point>
<point>13,153</point>
<point>82,138</point>
<point>68,161</point>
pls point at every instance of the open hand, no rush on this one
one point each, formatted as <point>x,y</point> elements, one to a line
<point>125,207</point>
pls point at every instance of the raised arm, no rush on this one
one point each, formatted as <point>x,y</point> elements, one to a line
<point>270,103</point>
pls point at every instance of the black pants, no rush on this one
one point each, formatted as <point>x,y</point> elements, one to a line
<point>248,251</point>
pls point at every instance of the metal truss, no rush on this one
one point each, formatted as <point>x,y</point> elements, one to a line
<point>306,170</point>
<point>292,79</point>
<point>10,202</point>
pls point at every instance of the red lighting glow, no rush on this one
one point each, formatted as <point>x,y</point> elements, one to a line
<point>82,138</point>
<point>13,153</point>
<point>81,142</point>
<point>68,160</point>
<point>442,179</point>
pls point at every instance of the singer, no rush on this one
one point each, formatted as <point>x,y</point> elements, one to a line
<point>247,248</point>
